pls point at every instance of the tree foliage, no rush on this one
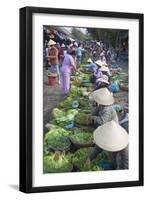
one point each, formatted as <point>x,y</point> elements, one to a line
<point>110,36</point>
<point>78,34</point>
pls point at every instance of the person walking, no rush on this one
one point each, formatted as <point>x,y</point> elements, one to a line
<point>67,66</point>
<point>53,58</point>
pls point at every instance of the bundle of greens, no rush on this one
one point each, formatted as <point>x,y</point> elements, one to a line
<point>82,136</point>
<point>67,103</point>
<point>57,162</point>
<point>77,91</point>
<point>53,134</point>
<point>80,156</point>
<point>64,118</point>
<point>84,102</point>
<point>59,144</point>
<point>85,77</point>
<point>79,159</point>
<point>86,70</point>
<point>81,118</point>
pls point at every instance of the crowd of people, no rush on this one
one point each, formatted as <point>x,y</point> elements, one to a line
<point>110,134</point>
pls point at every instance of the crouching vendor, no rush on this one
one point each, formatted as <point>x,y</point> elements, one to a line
<point>114,139</point>
<point>103,111</point>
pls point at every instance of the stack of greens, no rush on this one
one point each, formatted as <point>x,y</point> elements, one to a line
<point>57,162</point>
<point>82,136</point>
<point>82,118</point>
<point>64,118</point>
<point>79,159</point>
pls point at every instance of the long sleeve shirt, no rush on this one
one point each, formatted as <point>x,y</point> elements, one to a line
<point>105,114</point>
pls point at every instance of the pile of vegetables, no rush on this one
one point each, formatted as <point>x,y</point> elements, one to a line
<point>79,159</point>
<point>82,136</point>
<point>77,91</point>
<point>82,118</point>
<point>63,118</point>
<point>67,103</point>
<point>57,162</point>
<point>54,133</point>
<point>84,102</point>
<point>86,70</point>
<point>85,77</point>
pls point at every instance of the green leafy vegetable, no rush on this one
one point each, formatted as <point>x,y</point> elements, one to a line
<point>57,162</point>
<point>81,118</point>
<point>82,136</point>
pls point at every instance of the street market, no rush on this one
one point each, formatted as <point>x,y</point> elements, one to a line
<point>85,100</point>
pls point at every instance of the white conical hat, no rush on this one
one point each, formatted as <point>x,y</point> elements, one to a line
<point>111,137</point>
<point>104,63</point>
<point>62,45</point>
<point>103,79</point>
<point>99,62</point>
<point>104,69</point>
<point>51,42</point>
<point>99,43</point>
<point>103,96</point>
<point>89,60</point>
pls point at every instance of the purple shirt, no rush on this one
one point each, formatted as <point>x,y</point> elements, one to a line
<point>98,74</point>
<point>67,63</point>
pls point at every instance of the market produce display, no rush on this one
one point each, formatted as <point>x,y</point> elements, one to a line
<point>64,118</point>
<point>82,136</point>
<point>57,162</point>
<point>70,123</point>
<point>79,158</point>
<point>82,118</point>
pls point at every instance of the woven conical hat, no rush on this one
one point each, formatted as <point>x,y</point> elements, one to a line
<point>51,42</point>
<point>103,96</point>
<point>99,62</point>
<point>111,137</point>
<point>89,60</point>
<point>104,69</point>
<point>104,63</point>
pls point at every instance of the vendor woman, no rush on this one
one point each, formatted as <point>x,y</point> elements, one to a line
<point>67,66</point>
<point>114,139</point>
<point>102,82</point>
<point>97,73</point>
<point>104,111</point>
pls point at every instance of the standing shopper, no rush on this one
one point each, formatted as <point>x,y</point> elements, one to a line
<point>53,59</point>
<point>79,52</point>
<point>67,66</point>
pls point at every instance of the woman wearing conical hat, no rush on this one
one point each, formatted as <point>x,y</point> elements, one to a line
<point>102,82</point>
<point>114,139</point>
<point>104,111</point>
<point>53,58</point>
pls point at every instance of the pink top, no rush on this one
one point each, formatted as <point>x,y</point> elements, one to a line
<point>67,64</point>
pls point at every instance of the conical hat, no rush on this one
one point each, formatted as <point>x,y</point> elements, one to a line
<point>104,69</point>
<point>103,80</point>
<point>99,62</point>
<point>104,63</point>
<point>62,45</point>
<point>103,96</point>
<point>51,42</point>
<point>98,43</point>
<point>89,60</point>
<point>111,137</point>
